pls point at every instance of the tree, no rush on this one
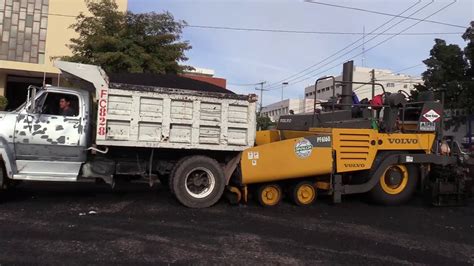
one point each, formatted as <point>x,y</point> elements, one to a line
<point>264,122</point>
<point>446,72</point>
<point>468,36</point>
<point>128,42</point>
<point>449,70</point>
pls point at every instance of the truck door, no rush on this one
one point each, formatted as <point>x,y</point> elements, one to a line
<point>50,141</point>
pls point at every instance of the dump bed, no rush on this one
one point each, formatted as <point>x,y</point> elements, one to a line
<point>145,116</point>
<point>151,115</point>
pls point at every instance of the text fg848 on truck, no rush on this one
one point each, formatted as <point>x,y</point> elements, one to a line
<point>189,139</point>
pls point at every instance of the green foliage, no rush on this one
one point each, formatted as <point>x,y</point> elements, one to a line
<point>450,69</point>
<point>264,122</point>
<point>128,42</point>
<point>3,103</point>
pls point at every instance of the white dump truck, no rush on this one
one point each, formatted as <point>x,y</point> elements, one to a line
<point>188,139</point>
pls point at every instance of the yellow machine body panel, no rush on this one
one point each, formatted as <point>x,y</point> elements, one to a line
<point>266,136</point>
<point>399,141</point>
<point>310,153</point>
<point>269,136</point>
<point>356,149</point>
<point>287,159</point>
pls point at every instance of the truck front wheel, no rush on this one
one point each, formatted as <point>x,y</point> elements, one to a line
<point>198,182</point>
<point>3,177</point>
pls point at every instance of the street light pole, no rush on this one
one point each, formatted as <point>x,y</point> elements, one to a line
<point>282,85</point>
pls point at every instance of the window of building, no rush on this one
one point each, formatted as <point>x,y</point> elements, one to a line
<point>405,86</point>
<point>319,91</point>
<point>390,85</point>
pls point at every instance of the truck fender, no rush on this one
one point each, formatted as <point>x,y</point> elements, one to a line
<point>7,157</point>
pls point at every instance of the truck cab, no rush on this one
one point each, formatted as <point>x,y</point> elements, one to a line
<point>37,142</point>
<point>188,138</point>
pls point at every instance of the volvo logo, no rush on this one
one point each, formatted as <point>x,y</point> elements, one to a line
<point>354,165</point>
<point>403,141</point>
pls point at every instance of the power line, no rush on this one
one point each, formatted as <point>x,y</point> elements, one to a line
<point>273,30</point>
<point>387,39</point>
<point>316,32</point>
<point>403,69</point>
<point>241,84</point>
<point>300,74</point>
<point>297,75</point>
<point>405,29</point>
<point>38,11</point>
<point>385,14</point>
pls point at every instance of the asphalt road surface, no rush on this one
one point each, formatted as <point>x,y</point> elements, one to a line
<point>89,224</point>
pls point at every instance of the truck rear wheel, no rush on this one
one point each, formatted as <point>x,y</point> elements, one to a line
<point>269,195</point>
<point>396,185</point>
<point>3,176</point>
<point>303,193</point>
<point>198,181</point>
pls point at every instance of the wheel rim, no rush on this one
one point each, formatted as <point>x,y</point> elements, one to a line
<point>270,195</point>
<point>305,194</point>
<point>200,182</point>
<point>395,179</point>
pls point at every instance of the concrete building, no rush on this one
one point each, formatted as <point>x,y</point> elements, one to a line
<point>32,33</point>
<point>274,110</point>
<point>392,82</point>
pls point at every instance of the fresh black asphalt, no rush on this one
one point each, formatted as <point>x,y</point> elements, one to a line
<point>90,224</point>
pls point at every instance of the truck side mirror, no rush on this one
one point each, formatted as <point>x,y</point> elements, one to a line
<point>31,99</point>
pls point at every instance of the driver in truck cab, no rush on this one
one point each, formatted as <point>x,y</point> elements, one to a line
<point>65,107</point>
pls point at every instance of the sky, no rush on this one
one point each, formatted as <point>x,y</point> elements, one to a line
<point>250,57</point>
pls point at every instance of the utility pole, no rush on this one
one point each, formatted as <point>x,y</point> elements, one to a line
<point>372,80</point>
<point>261,95</point>
<point>363,46</point>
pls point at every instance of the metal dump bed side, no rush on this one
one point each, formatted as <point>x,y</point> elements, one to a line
<point>148,116</point>
<point>144,116</point>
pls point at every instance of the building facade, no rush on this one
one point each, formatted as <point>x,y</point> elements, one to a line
<point>32,34</point>
<point>275,110</point>
<point>392,82</point>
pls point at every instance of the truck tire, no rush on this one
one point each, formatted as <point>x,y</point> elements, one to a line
<point>198,181</point>
<point>396,185</point>
<point>170,184</point>
<point>3,177</point>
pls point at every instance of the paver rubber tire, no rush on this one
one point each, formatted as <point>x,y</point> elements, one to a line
<point>269,195</point>
<point>396,185</point>
<point>198,181</point>
<point>303,193</point>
